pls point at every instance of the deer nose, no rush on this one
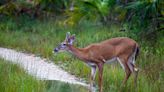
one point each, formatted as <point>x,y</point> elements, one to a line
<point>55,50</point>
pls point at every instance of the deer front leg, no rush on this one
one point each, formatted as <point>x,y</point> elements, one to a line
<point>93,74</point>
<point>100,82</point>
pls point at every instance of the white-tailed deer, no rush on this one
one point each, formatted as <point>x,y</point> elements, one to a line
<point>121,49</point>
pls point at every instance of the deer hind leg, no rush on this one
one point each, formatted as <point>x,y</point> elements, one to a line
<point>133,68</point>
<point>135,76</point>
<point>126,69</point>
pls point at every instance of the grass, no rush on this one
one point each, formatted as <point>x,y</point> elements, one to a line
<point>15,79</point>
<point>40,37</point>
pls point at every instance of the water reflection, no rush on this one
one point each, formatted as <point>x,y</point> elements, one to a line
<point>56,86</point>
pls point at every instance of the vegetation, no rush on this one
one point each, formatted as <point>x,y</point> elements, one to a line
<point>14,79</point>
<point>37,26</point>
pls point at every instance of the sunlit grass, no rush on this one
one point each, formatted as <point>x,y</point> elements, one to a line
<point>42,37</point>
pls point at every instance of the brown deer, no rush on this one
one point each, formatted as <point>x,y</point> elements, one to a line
<point>121,49</point>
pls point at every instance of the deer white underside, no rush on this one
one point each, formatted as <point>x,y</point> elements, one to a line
<point>107,62</point>
<point>114,59</point>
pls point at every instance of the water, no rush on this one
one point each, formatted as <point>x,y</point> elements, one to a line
<point>56,86</point>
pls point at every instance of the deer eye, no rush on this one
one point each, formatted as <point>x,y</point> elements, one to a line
<point>64,44</point>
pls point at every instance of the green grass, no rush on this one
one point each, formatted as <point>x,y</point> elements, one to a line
<point>15,79</point>
<point>40,37</point>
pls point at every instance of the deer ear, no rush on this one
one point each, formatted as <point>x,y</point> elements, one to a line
<point>71,39</point>
<point>67,35</point>
<point>73,36</point>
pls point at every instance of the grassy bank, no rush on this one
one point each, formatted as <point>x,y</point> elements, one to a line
<point>40,37</point>
<point>15,79</point>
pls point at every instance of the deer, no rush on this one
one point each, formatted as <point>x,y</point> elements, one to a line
<point>121,49</point>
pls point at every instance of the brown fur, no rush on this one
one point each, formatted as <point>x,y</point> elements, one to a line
<point>115,47</point>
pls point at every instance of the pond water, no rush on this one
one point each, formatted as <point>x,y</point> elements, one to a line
<point>56,86</point>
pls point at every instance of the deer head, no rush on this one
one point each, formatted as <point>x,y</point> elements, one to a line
<point>63,46</point>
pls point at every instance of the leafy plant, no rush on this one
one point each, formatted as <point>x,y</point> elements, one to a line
<point>90,10</point>
<point>144,14</point>
<point>57,6</point>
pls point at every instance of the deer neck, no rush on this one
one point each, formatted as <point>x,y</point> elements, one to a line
<point>78,52</point>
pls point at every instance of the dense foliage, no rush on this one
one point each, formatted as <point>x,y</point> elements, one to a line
<point>143,15</point>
